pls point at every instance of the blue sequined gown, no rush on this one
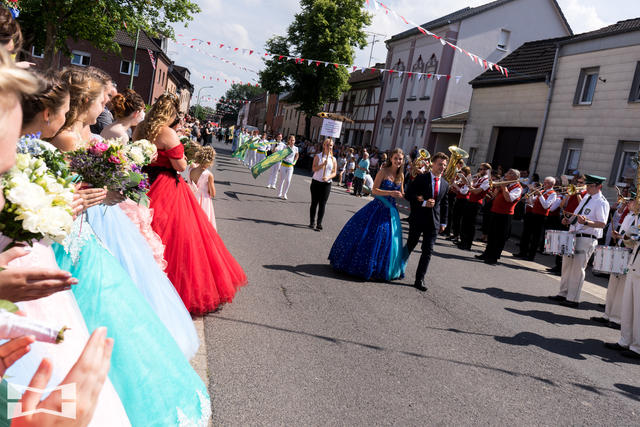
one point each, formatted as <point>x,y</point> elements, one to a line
<point>370,244</point>
<point>153,378</point>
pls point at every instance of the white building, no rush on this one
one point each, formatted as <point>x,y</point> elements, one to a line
<point>492,31</point>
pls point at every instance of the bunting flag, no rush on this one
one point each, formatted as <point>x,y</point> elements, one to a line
<point>153,60</point>
<point>317,62</point>
<point>486,64</point>
<point>273,159</point>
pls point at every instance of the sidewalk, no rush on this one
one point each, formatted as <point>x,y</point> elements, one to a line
<point>199,361</point>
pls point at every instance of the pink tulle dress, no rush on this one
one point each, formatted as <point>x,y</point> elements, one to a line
<point>201,189</point>
<point>59,309</point>
<point>142,217</point>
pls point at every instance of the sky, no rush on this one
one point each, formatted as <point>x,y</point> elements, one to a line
<point>247,24</point>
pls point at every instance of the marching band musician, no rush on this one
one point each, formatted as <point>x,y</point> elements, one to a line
<point>629,343</point>
<point>615,288</point>
<point>568,206</point>
<point>505,199</point>
<point>587,223</point>
<point>452,198</point>
<point>534,220</point>
<point>461,189</point>
<point>478,190</point>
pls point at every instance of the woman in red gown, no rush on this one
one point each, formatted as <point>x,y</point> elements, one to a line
<point>201,268</point>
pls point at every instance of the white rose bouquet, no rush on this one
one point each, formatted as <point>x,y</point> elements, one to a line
<point>38,197</point>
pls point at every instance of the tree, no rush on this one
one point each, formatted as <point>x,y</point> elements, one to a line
<point>325,30</point>
<point>230,104</point>
<point>201,112</point>
<point>52,23</point>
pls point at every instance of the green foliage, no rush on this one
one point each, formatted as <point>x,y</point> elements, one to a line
<point>325,30</point>
<point>228,113</point>
<point>201,113</point>
<point>52,23</point>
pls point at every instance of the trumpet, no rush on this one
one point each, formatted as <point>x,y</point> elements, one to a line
<point>501,183</point>
<point>572,189</point>
<point>422,161</point>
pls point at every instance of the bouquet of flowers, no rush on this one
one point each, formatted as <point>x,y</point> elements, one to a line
<point>115,166</point>
<point>190,148</point>
<point>38,192</point>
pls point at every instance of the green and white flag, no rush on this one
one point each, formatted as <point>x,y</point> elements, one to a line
<point>273,159</point>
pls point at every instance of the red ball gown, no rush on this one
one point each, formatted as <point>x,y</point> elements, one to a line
<point>199,265</point>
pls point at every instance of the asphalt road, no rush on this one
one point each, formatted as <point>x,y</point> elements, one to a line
<point>303,345</point>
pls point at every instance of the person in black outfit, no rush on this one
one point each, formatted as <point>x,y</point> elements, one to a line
<point>427,195</point>
<point>324,170</point>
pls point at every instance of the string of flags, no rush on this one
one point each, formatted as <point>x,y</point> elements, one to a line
<point>219,58</point>
<point>486,64</point>
<point>228,80</point>
<point>318,63</point>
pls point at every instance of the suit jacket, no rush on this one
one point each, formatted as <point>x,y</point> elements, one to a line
<point>421,216</point>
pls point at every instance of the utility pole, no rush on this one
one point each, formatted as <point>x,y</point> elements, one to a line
<point>373,42</point>
<point>198,101</point>
<point>133,63</point>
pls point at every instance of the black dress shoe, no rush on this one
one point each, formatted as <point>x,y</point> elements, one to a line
<point>480,256</point>
<point>630,354</point>
<point>419,285</point>
<point>615,346</point>
<point>464,247</point>
<point>490,262</point>
<point>319,227</point>
<point>602,320</point>
<point>570,304</point>
<point>312,225</point>
<point>520,255</point>
<point>558,298</point>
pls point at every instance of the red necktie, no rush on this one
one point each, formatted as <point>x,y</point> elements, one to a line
<point>436,187</point>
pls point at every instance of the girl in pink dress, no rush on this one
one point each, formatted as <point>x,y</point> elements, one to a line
<point>201,180</point>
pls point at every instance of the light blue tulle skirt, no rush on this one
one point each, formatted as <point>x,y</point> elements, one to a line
<point>153,378</point>
<point>123,239</point>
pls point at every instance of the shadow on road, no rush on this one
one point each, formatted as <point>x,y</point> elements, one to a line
<point>574,349</point>
<point>632,392</point>
<point>519,297</point>
<point>555,319</point>
<point>264,221</point>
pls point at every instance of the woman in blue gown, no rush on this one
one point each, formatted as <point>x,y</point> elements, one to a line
<point>370,244</point>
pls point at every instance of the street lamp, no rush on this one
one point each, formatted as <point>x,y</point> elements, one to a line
<point>199,90</point>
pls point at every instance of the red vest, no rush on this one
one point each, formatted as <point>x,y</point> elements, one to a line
<point>537,206</point>
<point>573,203</point>
<point>478,197</point>
<point>504,206</point>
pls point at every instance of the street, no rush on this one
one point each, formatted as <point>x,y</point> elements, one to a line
<point>304,345</point>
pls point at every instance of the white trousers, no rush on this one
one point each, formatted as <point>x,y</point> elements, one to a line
<point>630,324</point>
<point>250,158</point>
<point>615,292</point>
<point>573,268</point>
<point>273,178</point>
<point>259,157</point>
<point>285,180</point>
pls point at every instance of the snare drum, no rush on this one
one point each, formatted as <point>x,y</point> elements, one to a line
<point>611,259</point>
<point>559,242</point>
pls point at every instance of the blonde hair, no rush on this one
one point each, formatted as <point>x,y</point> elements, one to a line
<point>14,81</point>
<point>205,156</point>
<point>84,89</point>
<point>161,114</point>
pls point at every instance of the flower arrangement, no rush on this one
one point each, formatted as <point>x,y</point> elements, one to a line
<point>13,6</point>
<point>38,192</point>
<point>190,149</point>
<point>115,166</point>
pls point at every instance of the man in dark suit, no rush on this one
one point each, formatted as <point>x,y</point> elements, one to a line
<point>427,195</point>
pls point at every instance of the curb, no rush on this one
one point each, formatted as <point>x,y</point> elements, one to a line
<point>199,361</point>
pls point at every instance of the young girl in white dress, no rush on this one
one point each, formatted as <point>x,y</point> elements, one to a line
<point>201,181</point>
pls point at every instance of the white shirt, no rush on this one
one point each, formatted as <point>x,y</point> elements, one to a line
<point>596,208</point>
<point>483,183</point>
<point>278,146</point>
<point>515,193</point>
<point>630,221</point>
<point>555,205</point>
<point>548,201</point>
<point>464,189</point>
<point>326,170</point>
<point>291,157</point>
<point>433,184</point>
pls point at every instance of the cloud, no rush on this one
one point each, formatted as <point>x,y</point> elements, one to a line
<point>582,17</point>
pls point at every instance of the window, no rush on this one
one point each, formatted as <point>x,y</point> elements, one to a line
<point>569,156</point>
<point>586,86</point>
<point>37,53</point>
<point>503,39</point>
<point>473,153</point>
<point>125,68</point>
<point>624,164</point>
<point>82,59</point>
<point>634,95</point>
<point>352,104</point>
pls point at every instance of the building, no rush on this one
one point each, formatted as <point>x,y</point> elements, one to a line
<point>181,86</point>
<point>585,116</point>
<point>149,81</point>
<point>410,107</point>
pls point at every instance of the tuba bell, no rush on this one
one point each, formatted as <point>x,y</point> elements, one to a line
<point>457,154</point>
<point>422,161</point>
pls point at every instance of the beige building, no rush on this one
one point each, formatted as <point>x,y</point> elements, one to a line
<point>586,117</point>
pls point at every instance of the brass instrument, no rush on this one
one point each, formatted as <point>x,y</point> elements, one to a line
<point>422,161</point>
<point>572,189</point>
<point>457,154</point>
<point>621,198</point>
<point>500,183</point>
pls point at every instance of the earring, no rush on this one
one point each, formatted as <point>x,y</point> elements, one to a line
<point>48,122</point>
